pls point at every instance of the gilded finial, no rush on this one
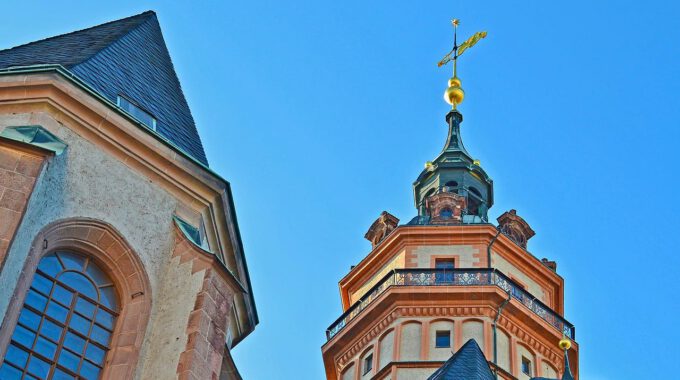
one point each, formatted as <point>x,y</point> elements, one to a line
<point>565,344</point>
<point>454,94</point>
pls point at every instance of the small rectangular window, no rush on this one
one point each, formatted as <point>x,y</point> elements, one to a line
<point>443,339</point>
<point>526,366</point>
<point>368,364</point>
<point>137,112</point>
<point>444,263</point>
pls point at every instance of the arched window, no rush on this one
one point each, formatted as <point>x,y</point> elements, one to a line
<point>65,326</point>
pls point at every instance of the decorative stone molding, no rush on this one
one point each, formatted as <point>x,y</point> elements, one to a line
<point>514,227</point>
<point>446,207</point>
<point>207,326</point>
<point>382,227</point>
<point>552,265</point>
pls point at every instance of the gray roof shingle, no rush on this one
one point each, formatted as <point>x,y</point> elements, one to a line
<point>124,57</point>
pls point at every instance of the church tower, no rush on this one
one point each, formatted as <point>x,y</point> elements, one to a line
<point>450,294</point>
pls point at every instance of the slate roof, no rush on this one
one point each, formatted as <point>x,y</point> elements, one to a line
<point>124,57</point>
<point>468,363</point>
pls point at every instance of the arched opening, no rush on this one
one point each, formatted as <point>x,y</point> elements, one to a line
<point>452,186</point>
<point>446,213</point>
<point>474,201</point>
<point>103,275</point>
<point>66,323</point>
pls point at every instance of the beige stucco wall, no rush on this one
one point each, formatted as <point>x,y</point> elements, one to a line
<point>523,352</point>
<point>409,346</point>
<point>394,263</point>
<point>548,371</point>
<point>166,338</point>
<point>348,374</point>
<point>443,353</point>
<point>510,270</point>
<point>474,330</point>
<point>414,373</point>
<point>503,349</point>
<point>86,182</point>
<point>386,349</point>
<point>463,255</point>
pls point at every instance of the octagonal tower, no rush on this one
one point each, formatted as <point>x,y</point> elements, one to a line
<point>449,276</point>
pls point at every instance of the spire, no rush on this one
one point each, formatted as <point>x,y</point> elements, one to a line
<point>469,189</point>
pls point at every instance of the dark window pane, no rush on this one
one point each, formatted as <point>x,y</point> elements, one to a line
<point>71,260</point>
<point>80,283</point>
<point>68,360</point>
<point>23,336</point>
<point>16,355</point>
<point>61,375</point>
<point>45,348</point>
<point>42,283</point>
<point>443,339</point>
<point>74,342</point>
<point>29,318</point>
<point>84,307</point>
<point>62,295</point>
<point>50,265</point>
<point>100,335</point>
<point>38,367</point>
<point>57,312</point>
<point>89,371</point>
<point>80,324</point>
<point>100,278</point>
<point>95,353</point>
<point>35,300</point>
<point>105,319</point>
<point>51,330</point>
<point>9,373</point>
<point>109,297</point>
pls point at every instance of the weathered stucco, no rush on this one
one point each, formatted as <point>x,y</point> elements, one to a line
<point>85,182</point>
<point>414,373</point>
<point>167,338</point>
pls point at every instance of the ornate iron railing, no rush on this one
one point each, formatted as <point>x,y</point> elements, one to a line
<point>453,277</point>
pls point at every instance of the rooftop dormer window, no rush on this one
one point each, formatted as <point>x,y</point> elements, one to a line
<point>136,111</point>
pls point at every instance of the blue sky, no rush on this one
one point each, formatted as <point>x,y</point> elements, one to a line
<point>322,113</point>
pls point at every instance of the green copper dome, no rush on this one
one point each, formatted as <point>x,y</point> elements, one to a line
<point>454,171</point>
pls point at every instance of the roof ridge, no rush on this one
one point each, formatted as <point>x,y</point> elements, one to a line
<point>145,14</point>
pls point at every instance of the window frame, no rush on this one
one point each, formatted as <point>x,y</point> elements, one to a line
<point>440,333</point>
<point>65,326</point>
<point>367,364</point>
<point>526,366</point>
<point>154,119</point>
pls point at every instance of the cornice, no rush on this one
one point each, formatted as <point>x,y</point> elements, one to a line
<point>57,92</point>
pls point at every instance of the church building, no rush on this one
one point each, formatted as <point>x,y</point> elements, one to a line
<point>450,294</point>
<point>120,250</point>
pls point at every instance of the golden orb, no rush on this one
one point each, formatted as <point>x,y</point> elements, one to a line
<point>565,344</point>
<point>454,94</point>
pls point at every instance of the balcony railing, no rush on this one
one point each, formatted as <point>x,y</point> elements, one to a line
<point>453,277</point>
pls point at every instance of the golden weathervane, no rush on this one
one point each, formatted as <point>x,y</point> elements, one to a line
<point>454,93</point>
